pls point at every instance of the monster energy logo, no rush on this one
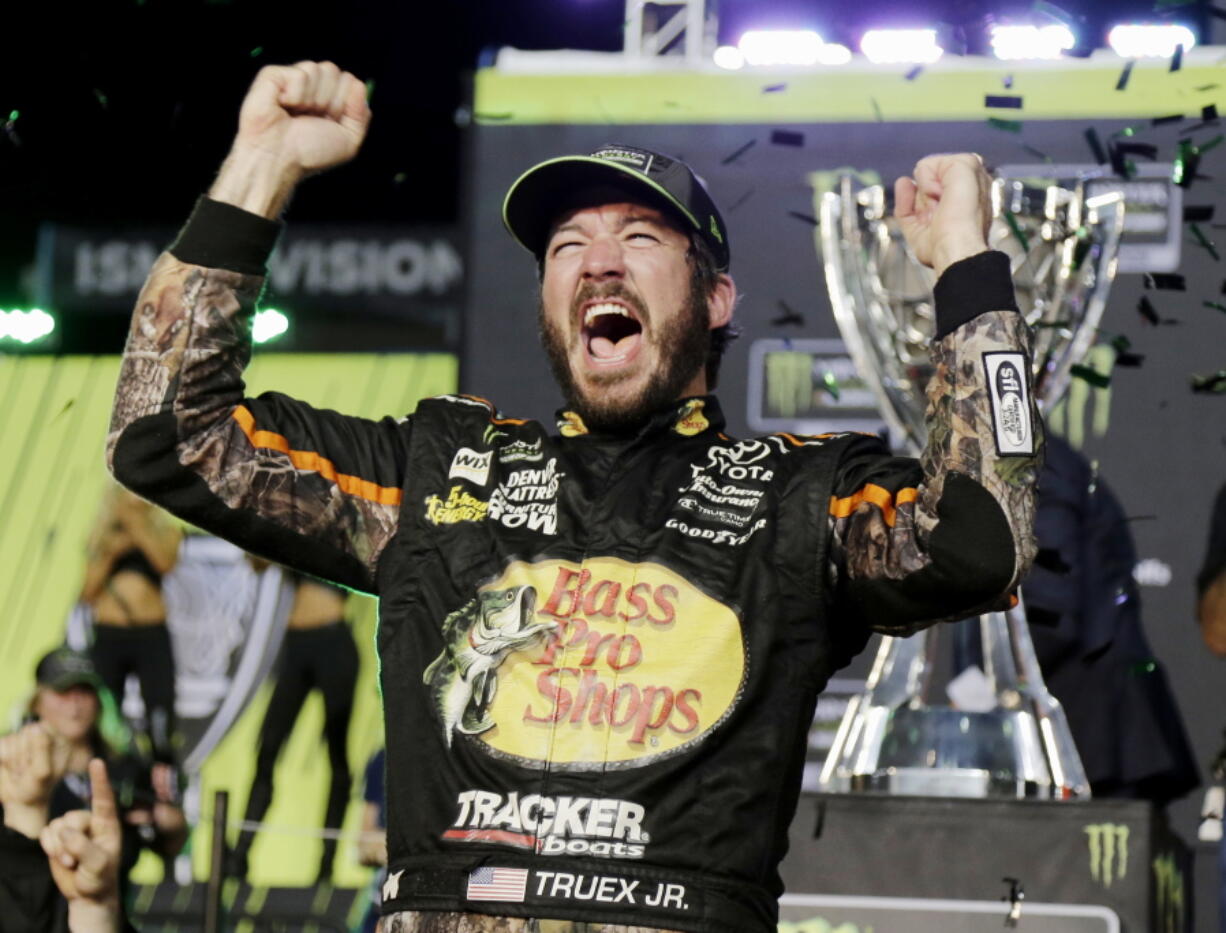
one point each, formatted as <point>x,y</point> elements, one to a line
<point>1168,894</point>
<point>1108,844</point>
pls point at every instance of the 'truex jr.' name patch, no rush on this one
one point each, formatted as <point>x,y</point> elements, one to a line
<point>1012,413</point>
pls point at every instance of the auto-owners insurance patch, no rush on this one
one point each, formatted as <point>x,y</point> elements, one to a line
<point>1012,413</point>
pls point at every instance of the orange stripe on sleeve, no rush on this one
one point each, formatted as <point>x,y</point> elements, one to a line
<point>310,460</point>
<point>874,495</point>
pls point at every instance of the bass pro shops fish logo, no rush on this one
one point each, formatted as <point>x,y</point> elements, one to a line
<point>477,639</point>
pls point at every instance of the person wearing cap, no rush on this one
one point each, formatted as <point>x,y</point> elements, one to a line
<point>601,644</point>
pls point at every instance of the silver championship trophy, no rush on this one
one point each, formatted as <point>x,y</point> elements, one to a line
<point>962,710</point>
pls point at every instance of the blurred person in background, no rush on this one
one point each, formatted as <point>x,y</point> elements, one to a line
<point>318,653</point>
<point>372,844</point>
<point>1211,614</point>
<point>132,547</point>
<point>44,767</point>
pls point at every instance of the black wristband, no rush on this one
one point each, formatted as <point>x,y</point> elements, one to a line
<point>971,287</point>
<point>222,236</point>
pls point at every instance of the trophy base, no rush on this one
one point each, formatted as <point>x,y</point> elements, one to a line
<point>929,782</point>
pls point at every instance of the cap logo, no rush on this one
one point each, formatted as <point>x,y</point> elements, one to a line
<point>715,232</point>
<point>639,160</point>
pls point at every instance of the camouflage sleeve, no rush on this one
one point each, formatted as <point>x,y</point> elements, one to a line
<point>950,536</point>
<point>305,487</point>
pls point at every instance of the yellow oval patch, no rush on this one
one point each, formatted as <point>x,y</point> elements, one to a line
<point>639,665</point>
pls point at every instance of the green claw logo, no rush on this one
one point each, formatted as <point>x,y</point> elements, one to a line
<point>1168,894</point>
<point>477,639</point>
<point>1108,844</point>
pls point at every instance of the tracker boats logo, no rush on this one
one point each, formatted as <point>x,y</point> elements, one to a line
<point>605,664</point>
<point>520,451</point>
<point>562,825</point>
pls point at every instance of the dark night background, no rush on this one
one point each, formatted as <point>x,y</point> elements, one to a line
<point>125,107</point>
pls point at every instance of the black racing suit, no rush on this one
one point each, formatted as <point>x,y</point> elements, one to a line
<point>600,654</point>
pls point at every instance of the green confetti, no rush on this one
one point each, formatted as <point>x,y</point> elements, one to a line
<point>1121,344</point>
<point>13,115</point>
<point>876,110</point>
<point>257,51</point>
<point>1205,147</point>
<point>1017,230</point>
<point>1009,126</point>
<point>101,97</point>
<point>1092,376</point>
<point>370,89</point>
<point>831,383</point>
<point>1204,242</point>
<point>399,177</point>
<point>1215,305</point>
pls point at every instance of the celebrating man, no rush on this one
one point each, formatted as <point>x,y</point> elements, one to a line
<point>601,647</point>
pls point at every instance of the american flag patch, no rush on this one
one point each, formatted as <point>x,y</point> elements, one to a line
<point>497,884</point>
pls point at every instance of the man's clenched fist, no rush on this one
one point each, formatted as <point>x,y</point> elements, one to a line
<point>945,209</point>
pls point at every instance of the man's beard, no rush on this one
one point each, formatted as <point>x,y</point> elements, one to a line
<point>683,344</point>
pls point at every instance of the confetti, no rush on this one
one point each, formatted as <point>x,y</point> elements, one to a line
<point>1119,164</point>
<point>1215,11</point>
<point>101,98</point>
<point>1146,308</point>
<point>1036,153</point>
<point>876,110</point>
<point>1125,74</point>
<point>1216,306</point>
<point>1144,150</point>
<point>1177,58</point>
<point>1214,384</point>
<point>1165,281</point>
<point>1096,146</point>
<point>807,218</point>
<point>1208,113</point>
<point>1017,230</point>
<point>1183,169</point>
<point>831,382</point>
<point>1007,81</point>
<point>774,88</point>
<point>1204,242</point>
<point>739,152</point>
<point>257,51</point>
<point>787,138</point>
<point>492,117</point>
<point>1002,100</point>
<point>399,178</point>
<point>1205,147</point>
<point>914,73</point>
<point>1162,121</point>
<point>741,200</point>
<point>1009,126</point>
<point>789,316</point>
<point>370,89</point>
<point>1092,376</point>
<point>1131,360</point>
<point>1201,213</point>
<point>1049,559</point>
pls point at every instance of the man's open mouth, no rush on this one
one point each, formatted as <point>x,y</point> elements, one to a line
<point>611,333</point>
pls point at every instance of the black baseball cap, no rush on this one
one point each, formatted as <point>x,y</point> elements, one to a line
<point>64,668</point>
<point>545,191</point>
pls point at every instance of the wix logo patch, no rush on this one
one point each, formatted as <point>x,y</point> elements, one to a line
<point>1012,416</point>
<point>470,465</point>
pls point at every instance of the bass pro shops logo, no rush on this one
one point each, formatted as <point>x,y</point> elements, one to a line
<point>605,664</point>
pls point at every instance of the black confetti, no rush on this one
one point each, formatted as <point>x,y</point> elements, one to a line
<point>1096,146</point>
<point>1002,100</point>
<point>774,88</point>
<point>1144,150</point>
<point>741,200</point>
<point>876,110</point>
<point>1197,213</point>
<point>1129,359</point>
<point>1049,559</point>
<point>914,73</point>
<point>789,316</point>
<point>1036,153</point>
<point>1120,164</point>
<point>1215,11</point>
<point>1125,74</point>
<point>1208,113</point>
<point>1212,385</point>
<point>807,218</point>
<point>1165,281</point>
<point>787,138</point>
<point>1007,81</point>
<point>1162,121</point>
<point>1092,376</point>
<point>739,152</point>
<point>1146,308</point>
<point>1177,58</point>
<point>1037,615</point>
